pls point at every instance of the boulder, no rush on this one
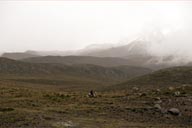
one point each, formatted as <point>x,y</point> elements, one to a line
<point>174,111</point>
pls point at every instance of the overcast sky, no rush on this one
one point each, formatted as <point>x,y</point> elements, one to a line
<point>66,25</point>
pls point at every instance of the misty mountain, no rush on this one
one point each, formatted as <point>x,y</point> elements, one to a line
<point>86,50</point>
<point>137,53</point>
<point>13,67</point>
<point>140,52</point>
<point>136,48</point>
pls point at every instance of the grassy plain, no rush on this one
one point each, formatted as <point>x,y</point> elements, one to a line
<point>34,102</point>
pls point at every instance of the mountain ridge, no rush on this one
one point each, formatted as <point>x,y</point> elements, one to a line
<point>136,52</point>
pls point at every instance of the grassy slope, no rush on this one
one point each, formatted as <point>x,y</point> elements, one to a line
<point>70,60</point>
<point>53,107</point>
<point>29,100</point>
<point>68,75</point>
<point>164,77</point>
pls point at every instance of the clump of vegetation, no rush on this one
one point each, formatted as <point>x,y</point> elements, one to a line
<point>57,96</point>
<point>6,109</point>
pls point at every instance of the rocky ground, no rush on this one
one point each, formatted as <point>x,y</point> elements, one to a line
<point>29,107</point>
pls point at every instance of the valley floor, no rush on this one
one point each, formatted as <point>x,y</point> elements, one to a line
<point>52,107</point>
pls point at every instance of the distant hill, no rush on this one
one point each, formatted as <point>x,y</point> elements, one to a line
<point>136,53</point>
<point>165,77</point>
<point>53,53</point>
<point>75,60</point>
<point>9,66</point>
<point>18,55</point>
<point>12,67</point>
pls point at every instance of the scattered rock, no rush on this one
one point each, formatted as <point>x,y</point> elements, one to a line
<point>171,88</point>
<point>135,89</point>
<point>142,94</point>
<point>177,93</point>
<point>184,85</point>
<point>157,106</point>
<point>67,124</point>
<point>174,111</point>
<point>157,98</point>
<point>158,102</point>
<point>158,90</point>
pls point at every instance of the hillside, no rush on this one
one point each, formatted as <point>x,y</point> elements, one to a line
<point>94,72</point>
<point>9,66</point>
<point>18,55</point>
<point>162,78</point>
<point>70,60</point>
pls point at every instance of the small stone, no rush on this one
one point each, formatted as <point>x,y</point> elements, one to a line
<point>142,94</point>
<point>177,93</point>
<point>184,85</point>
<point>135,89</point>
<point>158,90</point>
<point>158,101</point>
<point>157,98</point>
<point>171,88</point>
<point>157,106</point>
<point>67,124</point>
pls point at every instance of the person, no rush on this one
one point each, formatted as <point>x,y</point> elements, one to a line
<point>91,94</point>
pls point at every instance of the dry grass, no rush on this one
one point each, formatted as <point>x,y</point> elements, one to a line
<point>27,105</point>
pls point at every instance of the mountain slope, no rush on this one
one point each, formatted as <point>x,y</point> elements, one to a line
<point>18,55</point>
<point>165,77</point>
<point>12,67</point>
<point>70,60</point>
